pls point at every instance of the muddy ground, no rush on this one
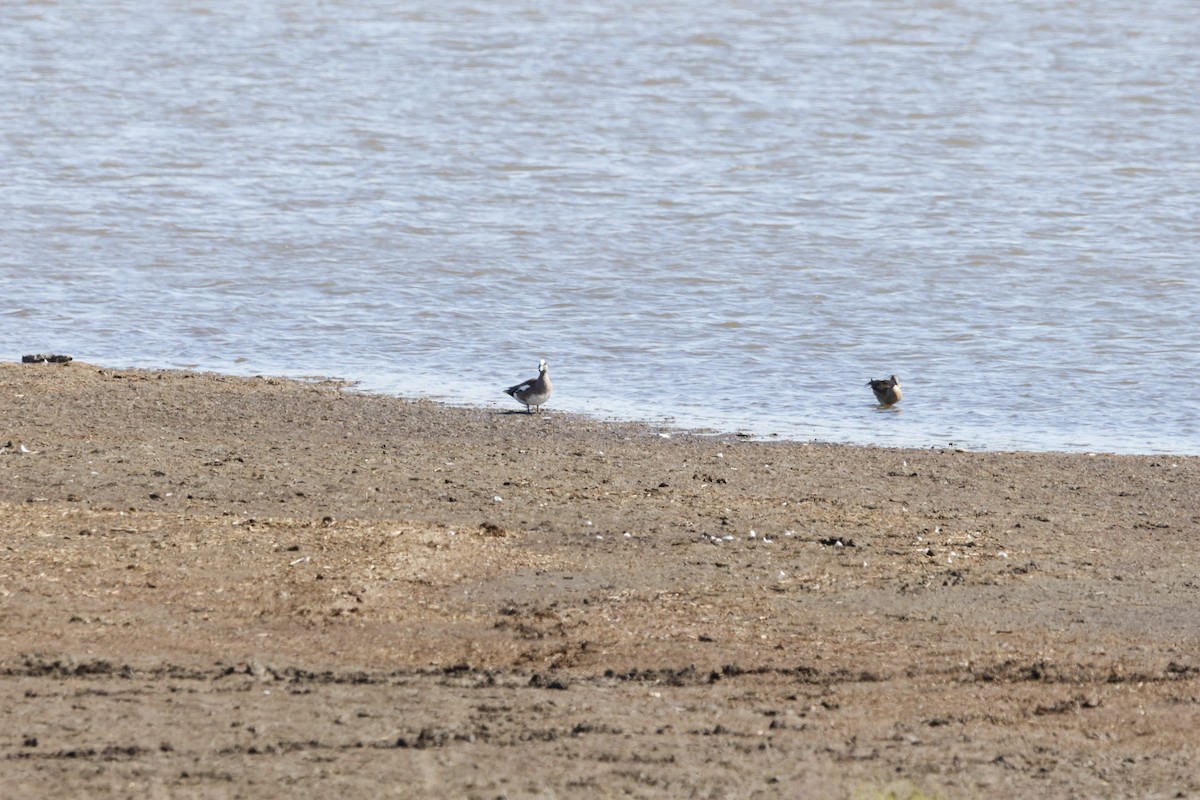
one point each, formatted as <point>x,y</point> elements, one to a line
<point>246,587</point>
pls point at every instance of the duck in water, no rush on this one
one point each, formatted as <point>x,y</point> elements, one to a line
<point>886,392</point>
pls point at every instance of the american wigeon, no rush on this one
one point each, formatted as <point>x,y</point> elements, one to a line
<point>534,391</point>
<point>886,392</point>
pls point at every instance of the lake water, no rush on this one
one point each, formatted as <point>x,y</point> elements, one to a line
<point>727,215</point>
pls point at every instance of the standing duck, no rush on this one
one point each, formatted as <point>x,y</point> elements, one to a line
<point>534,391</point>
<point>886,392</point>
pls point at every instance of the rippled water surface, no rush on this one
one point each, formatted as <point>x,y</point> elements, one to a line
<point>727,215</point>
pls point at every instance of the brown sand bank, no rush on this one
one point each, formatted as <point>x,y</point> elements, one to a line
<point>225,587</point>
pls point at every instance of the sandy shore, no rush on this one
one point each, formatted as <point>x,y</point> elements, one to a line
<point>217,587</point>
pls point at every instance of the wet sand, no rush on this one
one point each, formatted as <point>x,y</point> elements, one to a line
<point>214,587</point>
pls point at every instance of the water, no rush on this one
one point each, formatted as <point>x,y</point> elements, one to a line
<point>723,215</point>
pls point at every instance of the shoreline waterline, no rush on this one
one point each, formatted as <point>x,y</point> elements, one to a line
<point>477,399</point>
